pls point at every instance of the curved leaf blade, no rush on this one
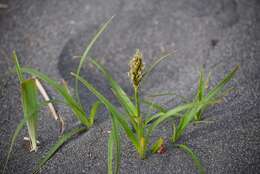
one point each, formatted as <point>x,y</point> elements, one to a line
<point>63,91</point>
<point>118,91</point>
<point>85,54</point>
<point>193,156</point>
<point>64,138</point>
<point>13,139</point>
<point>111,108</point>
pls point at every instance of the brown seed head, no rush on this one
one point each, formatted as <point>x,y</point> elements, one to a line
<point>136,68</point>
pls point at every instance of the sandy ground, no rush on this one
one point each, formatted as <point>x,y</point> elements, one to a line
<point>49,34</point>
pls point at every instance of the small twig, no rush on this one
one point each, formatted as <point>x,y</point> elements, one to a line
<point>46,98</point>
<point>50,105</point>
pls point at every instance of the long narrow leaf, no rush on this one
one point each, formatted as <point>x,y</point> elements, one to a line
<point>154,105</point>
<point>64,138</point>
<point>171,113</point>
<point>93,111</point>
<point>215,91</point>
<point>196,160</point>
<point>29,97</point>
<point>186,119</point>
<point>118,91</point>
<point>201,86</point>
<point>200,93</point>
<point>111,108</point>
<point>14,137</point>
<point>152,118</point>
<point>151,68</point>
<point>18,130</point>
<point>18,68</point>
<point>30,104</point>
<point>85,54</point>
<point>110,153</point>
<point>63,91</point>
<point>116,140</point>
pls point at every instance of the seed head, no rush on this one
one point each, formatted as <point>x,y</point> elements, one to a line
<point>136,68</point>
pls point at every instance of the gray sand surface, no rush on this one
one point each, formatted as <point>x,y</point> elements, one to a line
<point>49,34</point>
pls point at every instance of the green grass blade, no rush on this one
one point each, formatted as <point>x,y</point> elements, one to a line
<point>64,138</point>
<point>171,113</point>
<point>196,160</point>
<point>118,91</point>
<point>29,95</point>
<point>111,108</point>
<point>63,91</point>
<point>186,119</point>
<point>14,137</point>
<point>110,153</point>
<point>18,130</point>
<point>86,52</point>
<point>156,146</point>
<point>116,140</point>
<point>207,82</point>
<point>201,86</point>
<point>173,137</point>
<point>200,93</point>
<point>152,118</point>
<point>53,83</point>
<point>93,111</point>
<point>153,105</point>
<point>225,93</point>
<point>215,91</point>
<point>207,100</point>
<point>18,68</point>
<point>151,68</point>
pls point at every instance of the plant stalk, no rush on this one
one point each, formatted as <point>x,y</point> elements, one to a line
<point>140,127</point>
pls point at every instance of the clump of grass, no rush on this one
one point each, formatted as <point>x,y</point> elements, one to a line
<point>138,128</point>
<point>68,98</point>
<point>29,93</point>
<point>203,91</point>
<point>202,101</point>
<point>73,103</point>
<point>131,117</point>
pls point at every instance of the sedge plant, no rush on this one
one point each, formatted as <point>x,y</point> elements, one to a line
<point>61,88</point>
<point>202,101</point>
<point>72,102</point>
<point>31,108</point>
<point>137,128</point>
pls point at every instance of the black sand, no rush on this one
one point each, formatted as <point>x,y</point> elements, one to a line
<point>220,34</point>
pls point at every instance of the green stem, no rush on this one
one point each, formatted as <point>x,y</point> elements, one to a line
<point>140,127</point>
<point>137,101</point>
<point>198,116</point>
